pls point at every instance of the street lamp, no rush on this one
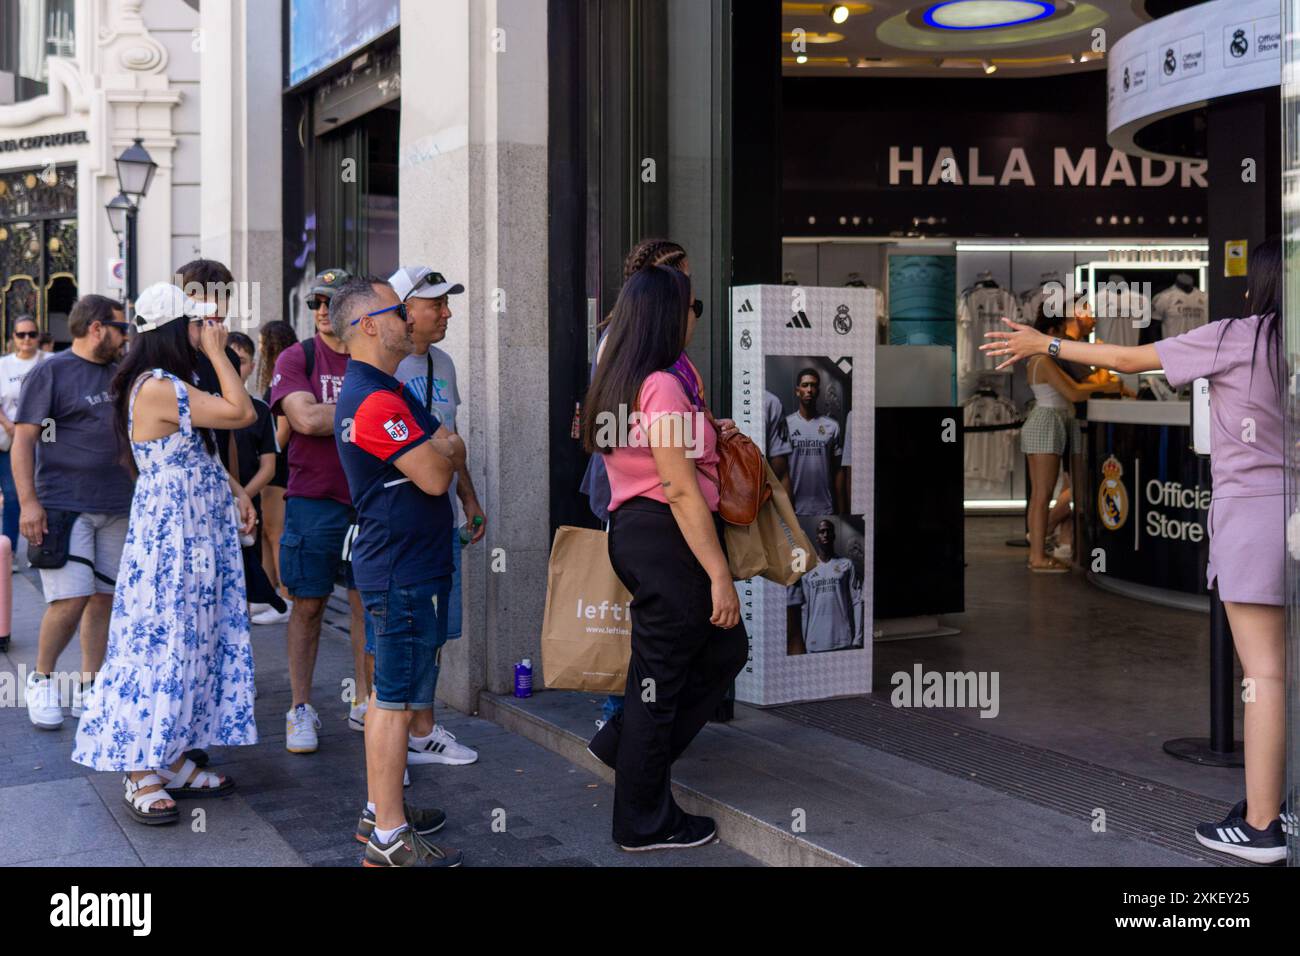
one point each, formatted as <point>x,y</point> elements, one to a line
<point>135,172</point>
<point>135,169</point>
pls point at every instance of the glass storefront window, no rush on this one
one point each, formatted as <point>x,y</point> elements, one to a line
<point>32,31</point>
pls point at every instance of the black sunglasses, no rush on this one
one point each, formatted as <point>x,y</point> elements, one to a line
<point>432,279</point>
<point>314,302</point>
<point>698,308</point>
<point>27,335</point>
<point>123,327</point>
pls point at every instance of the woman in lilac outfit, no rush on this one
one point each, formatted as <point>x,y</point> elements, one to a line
<point>1243,361</point>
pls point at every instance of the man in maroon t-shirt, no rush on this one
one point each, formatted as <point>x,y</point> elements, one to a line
<point>318,507</point>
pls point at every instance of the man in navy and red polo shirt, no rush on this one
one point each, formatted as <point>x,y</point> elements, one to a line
<point>399,463</point>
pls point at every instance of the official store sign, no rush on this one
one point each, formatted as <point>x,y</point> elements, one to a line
<point>1186,59</point>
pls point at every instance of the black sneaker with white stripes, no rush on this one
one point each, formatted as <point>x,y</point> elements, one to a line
<point>1237,837</point>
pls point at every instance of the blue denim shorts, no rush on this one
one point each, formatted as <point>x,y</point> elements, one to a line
<point>311,548</point>
<point>453,604</point>
<point>409,626</point>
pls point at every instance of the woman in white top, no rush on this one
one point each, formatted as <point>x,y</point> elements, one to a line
<point>1045,437</point>
<point>14,368</point>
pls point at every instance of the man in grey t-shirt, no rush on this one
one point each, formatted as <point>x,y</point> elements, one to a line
<point>67,459</point>
<point>430,379</point>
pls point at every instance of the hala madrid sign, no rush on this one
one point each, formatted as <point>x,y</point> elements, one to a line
<point>1182,61</point>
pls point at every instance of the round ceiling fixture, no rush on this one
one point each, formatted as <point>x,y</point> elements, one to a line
<point>986,14</point>
<point>839,13</point>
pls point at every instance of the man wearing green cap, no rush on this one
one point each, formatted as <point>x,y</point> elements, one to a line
<point>318,505</point>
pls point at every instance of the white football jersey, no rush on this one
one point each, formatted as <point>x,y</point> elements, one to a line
<point>813,445</point>
<point>778,435</point>
<point>831,606</point>
<point>1180,311</point>
<point>1121,315</point>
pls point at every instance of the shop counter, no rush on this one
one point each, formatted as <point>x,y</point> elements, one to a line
<point>1144,503</point>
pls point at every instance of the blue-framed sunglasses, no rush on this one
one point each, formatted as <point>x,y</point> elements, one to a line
<point>400,309</point>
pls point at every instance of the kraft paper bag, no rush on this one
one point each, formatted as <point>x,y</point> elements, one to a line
<point>587,629</point>
<point>774,546</point>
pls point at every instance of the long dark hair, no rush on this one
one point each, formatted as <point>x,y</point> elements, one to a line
<point>647,334</point>
<point>1264,299</point>
<point>167,348</point>
<point>276,337</point>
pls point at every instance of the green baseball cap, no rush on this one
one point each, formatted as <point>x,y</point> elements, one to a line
<point>329,282</point>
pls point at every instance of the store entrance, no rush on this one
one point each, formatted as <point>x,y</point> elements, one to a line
<point>38,248</point>
<point>965,188</point>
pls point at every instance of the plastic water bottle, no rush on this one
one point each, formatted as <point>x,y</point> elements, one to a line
<point>524,678</point>
<point>466,536</point>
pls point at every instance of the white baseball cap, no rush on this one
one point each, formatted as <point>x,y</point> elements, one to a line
<point>421,282</point>
<point>164,302</point>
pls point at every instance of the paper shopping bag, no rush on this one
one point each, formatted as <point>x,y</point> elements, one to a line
<point>587,629</point>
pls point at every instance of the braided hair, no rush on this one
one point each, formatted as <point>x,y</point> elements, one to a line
<point>653,252</point>
<point>647,254</point>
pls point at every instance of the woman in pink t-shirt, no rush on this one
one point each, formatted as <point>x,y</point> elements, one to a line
<point>1243,361</point>
<point>645,415</point>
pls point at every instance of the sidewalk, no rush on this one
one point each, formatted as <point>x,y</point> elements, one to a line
<point>293,810</point>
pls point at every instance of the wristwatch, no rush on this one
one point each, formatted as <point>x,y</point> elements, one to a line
<point>1054,349</point>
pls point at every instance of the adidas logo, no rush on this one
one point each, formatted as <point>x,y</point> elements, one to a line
<point>747,307</point>
<point>800,321</point>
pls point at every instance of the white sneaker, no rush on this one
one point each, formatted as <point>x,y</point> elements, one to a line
<point>271,615</point>
<point>439,747</point>
<point>357,716</point>
<point>300,728</point>
<point>43,703</point>
<point>257,607</point>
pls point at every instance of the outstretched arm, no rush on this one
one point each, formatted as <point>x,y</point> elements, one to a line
<point>1024,341</point>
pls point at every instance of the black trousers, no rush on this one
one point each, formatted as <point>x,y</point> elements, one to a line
<point>256,583</point>
<point>680,669</point>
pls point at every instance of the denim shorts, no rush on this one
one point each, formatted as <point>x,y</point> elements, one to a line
<point>311,548</point>
<point>453,604</point>
<point>409,626</point>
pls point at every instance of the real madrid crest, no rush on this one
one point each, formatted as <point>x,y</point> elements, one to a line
<point>1112,496</point>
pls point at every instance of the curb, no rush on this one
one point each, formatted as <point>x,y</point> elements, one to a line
<point>757,838</point>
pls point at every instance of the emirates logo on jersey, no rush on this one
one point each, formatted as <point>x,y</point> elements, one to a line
<point>397,429</point>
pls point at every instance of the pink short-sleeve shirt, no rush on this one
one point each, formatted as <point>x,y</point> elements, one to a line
<point>631,466</point>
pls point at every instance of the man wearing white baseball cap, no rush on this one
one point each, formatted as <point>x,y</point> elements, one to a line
<point>429,377</point>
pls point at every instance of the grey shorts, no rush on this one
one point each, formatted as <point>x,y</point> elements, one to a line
<point>1044,432</point>
<point>97,538</point>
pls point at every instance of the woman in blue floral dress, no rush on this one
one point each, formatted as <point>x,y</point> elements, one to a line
<point>179,669</point>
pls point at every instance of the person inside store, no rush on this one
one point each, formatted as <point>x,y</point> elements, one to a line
<point>178,674</point>
<point>1243,360</point>
<point>1060,526</point>
<point>1047,432</point>
<point>665,545</point>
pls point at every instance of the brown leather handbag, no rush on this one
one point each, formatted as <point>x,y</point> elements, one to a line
<point>742,477</point>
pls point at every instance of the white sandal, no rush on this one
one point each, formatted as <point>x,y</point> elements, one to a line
<point>141,804</point>
<point>196,783</point>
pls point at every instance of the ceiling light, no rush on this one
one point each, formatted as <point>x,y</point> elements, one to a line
<point>989,68</point>
<point>986,14</point>
<point>801,59</point>
<point>839,13</point>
